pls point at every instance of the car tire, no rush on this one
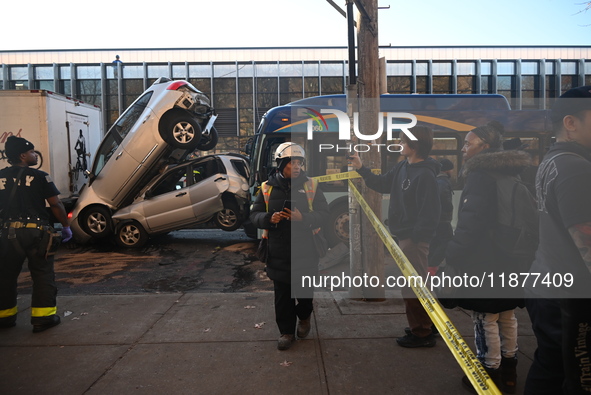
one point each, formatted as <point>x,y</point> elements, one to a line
<point>96,221</point>
<point>180,130</point>
<point>337,230</point>
<point>131,234</point>
<point>208,142</point>
<point>228,219</point>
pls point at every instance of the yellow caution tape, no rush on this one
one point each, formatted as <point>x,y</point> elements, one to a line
<point>457,345</point>
<point>342,176</point>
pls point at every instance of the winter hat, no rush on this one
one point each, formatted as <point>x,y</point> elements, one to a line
<point>446,164</point>
<point>15,146</point>
<point>490,134</point>
<point>571,102</point>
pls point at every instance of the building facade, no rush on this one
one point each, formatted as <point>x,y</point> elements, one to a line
<point>244,83</point>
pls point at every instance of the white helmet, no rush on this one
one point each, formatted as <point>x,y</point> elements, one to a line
<point>289,150</point>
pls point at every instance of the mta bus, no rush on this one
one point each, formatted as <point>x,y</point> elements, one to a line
<point>312,123</point>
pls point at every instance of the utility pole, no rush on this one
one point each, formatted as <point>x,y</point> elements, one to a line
<point>363,97</point>
<point>369,106</point>
<point>355,257</point>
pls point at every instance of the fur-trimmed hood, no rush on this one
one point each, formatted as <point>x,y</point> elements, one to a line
<point>506,162</point>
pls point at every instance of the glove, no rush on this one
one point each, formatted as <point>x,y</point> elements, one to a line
<point>66,234</point>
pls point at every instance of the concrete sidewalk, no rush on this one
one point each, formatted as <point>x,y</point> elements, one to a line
<point>209,343</point>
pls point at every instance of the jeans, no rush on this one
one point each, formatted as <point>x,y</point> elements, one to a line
<point>561,361</point>
<point>495,335</point>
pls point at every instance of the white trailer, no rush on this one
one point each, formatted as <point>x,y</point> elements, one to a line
<point>65,131</point>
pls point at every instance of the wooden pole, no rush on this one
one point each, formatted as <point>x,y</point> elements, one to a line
<point>369,97</point>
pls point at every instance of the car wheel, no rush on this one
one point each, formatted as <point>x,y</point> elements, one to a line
<point>96,221</point>
<point>181,130</point>
<point>337,230</point>
<point>228,219</point>
<point>131,234</point>
<point>208,141</point>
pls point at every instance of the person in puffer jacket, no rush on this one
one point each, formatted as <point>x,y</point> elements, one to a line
<point>291,252</point>
<point>472,251</point>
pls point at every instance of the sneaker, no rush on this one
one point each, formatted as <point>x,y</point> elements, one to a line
<point>285,342</point>
<point>304,327</point>
<point>52,321</point>
<point>412,341</point>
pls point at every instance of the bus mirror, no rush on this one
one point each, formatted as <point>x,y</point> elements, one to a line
<point>248,146</point>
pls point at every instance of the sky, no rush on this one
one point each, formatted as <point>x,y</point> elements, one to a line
<point>125,24</point>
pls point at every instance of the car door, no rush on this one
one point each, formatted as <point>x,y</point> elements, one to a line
<point>168,203</point>
<point>206,194</point>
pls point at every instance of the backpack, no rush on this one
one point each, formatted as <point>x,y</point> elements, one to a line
<point>515,234</point>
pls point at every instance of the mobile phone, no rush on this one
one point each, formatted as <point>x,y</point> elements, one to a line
<point>290,204</point>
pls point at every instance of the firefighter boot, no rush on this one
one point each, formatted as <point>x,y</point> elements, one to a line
<point>46,323</point>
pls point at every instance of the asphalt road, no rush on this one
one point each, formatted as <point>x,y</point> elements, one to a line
<point>193,260</point>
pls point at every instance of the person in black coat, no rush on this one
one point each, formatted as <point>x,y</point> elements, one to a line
<point>291,252</point>
<point>471,251</point>
<point>413,215</point>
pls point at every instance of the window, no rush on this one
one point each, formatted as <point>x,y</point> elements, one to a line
<point>466,80</point>
<point>442,84</point>
<point>88,84</point>
<point>107,148</point>
<point>89,91</point>
<point>466,84</point>
<point>399,69</point>
<point>131,115</point>
<point>290,89</point>
<point>19,78</point>
<point>156,71</point>
<point>506,86</point>
<point>225,92</point>
<point>179,72</point>
<point>332,85</point>
<point>44,78</point>
<point>176,179</point>
<point>132,89</point>
<point>65,84</point>
<point>422,85</point>
<point>266,92</point>
<point>399,84</point>
<point>133,71</point>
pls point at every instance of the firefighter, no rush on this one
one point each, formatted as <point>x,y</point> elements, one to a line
<point>26,233</point>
